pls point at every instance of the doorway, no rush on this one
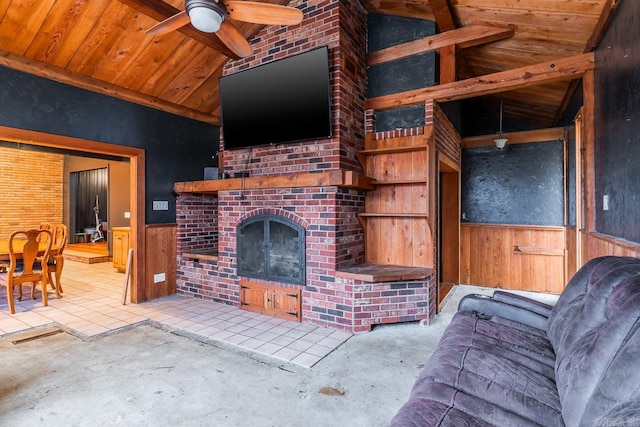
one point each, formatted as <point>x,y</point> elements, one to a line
<point>136,187</point>
<point>88,200</point>
<point>449,230</point>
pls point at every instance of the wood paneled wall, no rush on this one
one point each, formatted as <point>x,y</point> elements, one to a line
<point>160,258</point>
<point>571,261</point>
<point>600,245</point>
<point>530,258</point>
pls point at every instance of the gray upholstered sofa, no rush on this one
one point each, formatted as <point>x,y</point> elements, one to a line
<point>511,361</point>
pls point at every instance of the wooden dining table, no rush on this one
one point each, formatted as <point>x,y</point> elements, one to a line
<point>4,249</point>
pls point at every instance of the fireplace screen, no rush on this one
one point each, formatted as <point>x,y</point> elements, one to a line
<point>272,248</point>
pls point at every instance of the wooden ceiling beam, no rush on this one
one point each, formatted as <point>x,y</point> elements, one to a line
<point>561,69</point>
<point>442,12</point>
<point>473,35</point>
<point>446,22</point>
<point>159,10</point>
<point>51,72</point>
<point>550,134</point>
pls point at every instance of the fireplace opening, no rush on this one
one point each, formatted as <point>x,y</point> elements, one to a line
<point>271,247</point>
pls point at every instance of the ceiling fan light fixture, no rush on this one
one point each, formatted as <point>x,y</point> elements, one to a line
<point>205,16</point>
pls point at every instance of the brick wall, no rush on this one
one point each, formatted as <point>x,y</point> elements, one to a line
<point>32,187</point>
<point>384,302</point>
<point>447,139</point>
<point>197,216</point>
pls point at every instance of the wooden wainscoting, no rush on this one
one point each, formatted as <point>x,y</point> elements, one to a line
<point>160,258</point>
<point>600,245</point>
<point>530,258</point>
<point>572,260</point>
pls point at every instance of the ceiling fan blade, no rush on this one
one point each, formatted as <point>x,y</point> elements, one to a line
<point>171,23</point>
<point>233,39</point>
<point>263,13</point>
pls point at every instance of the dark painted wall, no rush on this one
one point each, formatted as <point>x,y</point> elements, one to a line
<point>520,184</point>
<point>617,122</point>
<point>413,72</point>
<point>478,120</point>
<point>176,148</point>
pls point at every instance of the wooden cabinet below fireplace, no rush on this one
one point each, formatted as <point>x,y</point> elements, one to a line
<point>284,303</point>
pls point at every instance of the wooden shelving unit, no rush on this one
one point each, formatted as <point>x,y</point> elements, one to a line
<point>396,219</point>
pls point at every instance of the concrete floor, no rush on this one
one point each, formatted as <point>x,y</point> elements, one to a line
<point>146,376</point>
<point>92,308</point>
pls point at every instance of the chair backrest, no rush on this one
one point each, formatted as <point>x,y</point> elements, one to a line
<point>29,243</point>
<point>45,226</point>
<point>59,234</point>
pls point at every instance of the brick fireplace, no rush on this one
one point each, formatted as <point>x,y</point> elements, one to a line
<point>309,184</point>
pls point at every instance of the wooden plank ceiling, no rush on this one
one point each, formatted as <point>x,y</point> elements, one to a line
<point>102,46</point>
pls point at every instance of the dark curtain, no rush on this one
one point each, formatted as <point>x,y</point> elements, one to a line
<point>89,185</point>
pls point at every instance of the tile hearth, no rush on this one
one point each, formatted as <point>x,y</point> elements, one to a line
<point>92,307</point>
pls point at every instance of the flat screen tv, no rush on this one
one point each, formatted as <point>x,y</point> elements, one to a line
<point>284,101</point>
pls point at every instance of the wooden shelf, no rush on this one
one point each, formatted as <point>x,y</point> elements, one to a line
<point>393,215</point>
<point>209,255</point>
<point>370,272</point>
<point>392,150</point>
<point>400,182</point>
<point>337,178</point>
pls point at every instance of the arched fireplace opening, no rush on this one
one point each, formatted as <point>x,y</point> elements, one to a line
<point>271,247</point>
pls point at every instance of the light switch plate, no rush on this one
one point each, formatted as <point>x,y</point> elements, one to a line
<point>160,205</point>
<point>605,202</point>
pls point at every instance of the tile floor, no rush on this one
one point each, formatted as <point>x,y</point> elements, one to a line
<point>92,307</point>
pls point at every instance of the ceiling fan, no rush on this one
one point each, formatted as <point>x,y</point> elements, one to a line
<point>210,16</point>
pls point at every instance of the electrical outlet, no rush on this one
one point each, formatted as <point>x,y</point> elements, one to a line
<point>160,277</point>
<point>160,205</point>
<point>605,202</point>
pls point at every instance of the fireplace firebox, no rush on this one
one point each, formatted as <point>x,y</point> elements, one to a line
<point>271,247</point>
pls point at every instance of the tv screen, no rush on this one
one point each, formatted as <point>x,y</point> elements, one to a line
<point>287,100</point>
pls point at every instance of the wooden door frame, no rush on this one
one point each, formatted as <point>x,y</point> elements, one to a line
<point>136,187</point>
<point>580,193</point>
<point>449,212</point>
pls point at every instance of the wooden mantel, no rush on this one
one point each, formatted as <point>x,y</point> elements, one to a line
<point>338,178</point>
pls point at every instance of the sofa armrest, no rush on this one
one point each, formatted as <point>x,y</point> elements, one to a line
<point>523,302</point>
<point>487,306</point>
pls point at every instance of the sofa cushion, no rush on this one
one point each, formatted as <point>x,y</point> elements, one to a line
<point>582,303</point>
<point>496,373</point>
<point>442,405</point>
<point>600,370</point>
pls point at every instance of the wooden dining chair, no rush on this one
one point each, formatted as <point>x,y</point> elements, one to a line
<point>55,262</point>
<point>29,270</point>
